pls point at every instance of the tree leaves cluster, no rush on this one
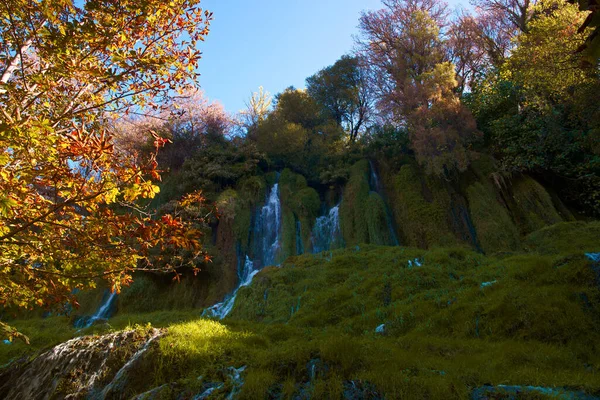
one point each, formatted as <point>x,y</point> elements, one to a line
<point>69,210</point>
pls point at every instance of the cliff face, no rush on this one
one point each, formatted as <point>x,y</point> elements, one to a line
<point>479,209</point>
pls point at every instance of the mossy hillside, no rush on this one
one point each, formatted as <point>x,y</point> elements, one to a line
<point>496,230</point>
<point>531,205</point>
<point>420,205</point>
<point>458,321</point>
<point>149,293</point>
<point>569,238</point>
<point>238,205</point>
<point>445,332</point>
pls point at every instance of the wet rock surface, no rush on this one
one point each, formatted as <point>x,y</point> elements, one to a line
<point>90,367</point>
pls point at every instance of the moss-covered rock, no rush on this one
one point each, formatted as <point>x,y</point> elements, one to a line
<point>531,205</point>
<point>495,229</point>
<point>301,205</point>
<point>377,223</point>
<point>421,206</point>
<point>353,210</point>
<point>566,237</point>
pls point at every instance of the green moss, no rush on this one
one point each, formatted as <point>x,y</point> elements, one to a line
<point>288,234</point>
<point>253,189</point>
<point>531,205</point>
<point>376,214</point>
<point>353,221</point>
<point>420,205</point>
<point>142,296</point>
<point>445,332</point>
<point>495,229</point>
<point>300,203</point>
<point>566,237</point>
<point>257,384</point>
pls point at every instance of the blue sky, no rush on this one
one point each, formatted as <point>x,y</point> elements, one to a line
<point>274,44</point>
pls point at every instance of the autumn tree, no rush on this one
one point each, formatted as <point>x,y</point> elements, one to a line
<point>404,46</point>
<point>342,91</point>
<point>479,42</point>
<point>67,70</point>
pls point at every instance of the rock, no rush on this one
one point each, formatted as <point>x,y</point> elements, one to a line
<point>84,367</point>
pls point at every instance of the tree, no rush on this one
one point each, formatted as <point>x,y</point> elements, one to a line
<point>342,90</point>
<point>540,112</point>
<point>67,70</point>
<point>257,109</point>
<point>591,47</point>
<point>297,134</point>
<point>479,44</point>
<point>404,47</point>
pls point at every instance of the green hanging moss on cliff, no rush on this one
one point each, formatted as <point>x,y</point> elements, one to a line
<point>353,218</point>
<point>495,229</point>
<point>379,232</point>
<point>531,205</point>
<point>299,203</point>
<point>420,205</point>
<point>288,234</point>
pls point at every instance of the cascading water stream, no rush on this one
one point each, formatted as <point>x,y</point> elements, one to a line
<point>267,238</point>
<point>104,312</point>
<point>326,232</point>
<point>376,186</point>
<point>299,244</point>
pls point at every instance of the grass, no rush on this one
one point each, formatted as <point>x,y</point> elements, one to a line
<point>445,333</point>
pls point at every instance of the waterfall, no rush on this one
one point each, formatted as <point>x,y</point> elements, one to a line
<point>266,235</point>
<point>326,232</point>
<point>376,186</point>
<point>268,229</point>
<point>104,312</point>
<point>222,309</point>
<point>299,244</point>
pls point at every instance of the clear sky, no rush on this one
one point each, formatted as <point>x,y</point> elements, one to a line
<point>274,44</point>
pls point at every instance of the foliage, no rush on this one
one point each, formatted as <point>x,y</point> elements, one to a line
<point>257,109</point>
<point>298,136</point>
<point>403,46</point>
<point>591,47</point>
<point>221,165</point>
<point>342,90</point>
<point>482,42</point>
<point>67,70</point>
<point>538,116</point>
